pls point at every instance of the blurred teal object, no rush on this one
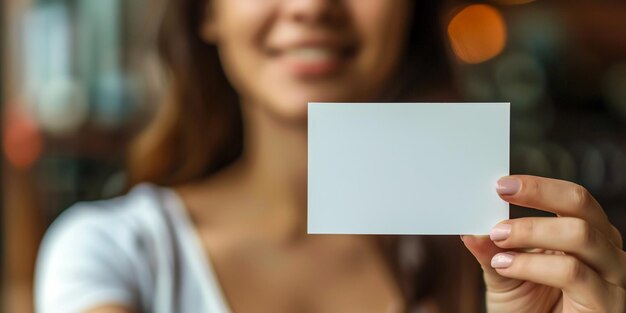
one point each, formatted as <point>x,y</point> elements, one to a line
<point>61,106</point>
<point>113,99</point>
<point>46,46</point>
<point>55,97</point>
<point>111,91</point>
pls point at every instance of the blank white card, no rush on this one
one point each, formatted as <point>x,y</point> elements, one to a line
<point>406,168</point>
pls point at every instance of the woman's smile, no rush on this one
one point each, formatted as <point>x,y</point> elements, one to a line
<point>280,55</point>
<point>313,58</point>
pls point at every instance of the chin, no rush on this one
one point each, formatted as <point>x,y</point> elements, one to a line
<point>292,112</point>
<point>292,108</point>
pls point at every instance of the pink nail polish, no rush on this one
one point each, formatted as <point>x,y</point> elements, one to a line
<point>500,232</point>
<point>508,186</point>
<point>502,260</point>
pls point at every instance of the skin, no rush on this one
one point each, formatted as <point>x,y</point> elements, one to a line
<point>254,58</point>
<point>570,263</point>
<point>251,216</point>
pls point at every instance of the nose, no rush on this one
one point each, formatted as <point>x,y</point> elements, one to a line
<point>313,12</point>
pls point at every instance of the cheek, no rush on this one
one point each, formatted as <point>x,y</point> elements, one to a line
<point>240,27</point>
<point>382,26</point>
<point>241,17</point>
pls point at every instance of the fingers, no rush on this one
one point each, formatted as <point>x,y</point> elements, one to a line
<point>581,252</point>
<point>556,196</point>
<point>577,280</point>
<point>483,250</point>
<point>571,235</point>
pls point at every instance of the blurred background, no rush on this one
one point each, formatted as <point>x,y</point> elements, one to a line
<point>80,77</point>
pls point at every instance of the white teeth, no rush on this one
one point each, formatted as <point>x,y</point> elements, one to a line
<point>311,54</point>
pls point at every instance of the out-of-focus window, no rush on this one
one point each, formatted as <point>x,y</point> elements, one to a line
<point>79,78</point>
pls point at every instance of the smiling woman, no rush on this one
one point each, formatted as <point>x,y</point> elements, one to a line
<point>278,57</point>
<point>215,221</point>
<point>285,55</point>
<point>228,148</point>
<point>203,100</point>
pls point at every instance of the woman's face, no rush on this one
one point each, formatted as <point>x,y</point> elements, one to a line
<point>281,54</point>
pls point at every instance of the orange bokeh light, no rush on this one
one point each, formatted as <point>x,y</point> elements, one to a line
<point>477,33</point>
<point>23,142</point>
<point>513,2</point>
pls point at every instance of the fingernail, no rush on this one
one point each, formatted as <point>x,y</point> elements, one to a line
<point>500,232</point>
<point>502,260</point>
<point>508,186</point>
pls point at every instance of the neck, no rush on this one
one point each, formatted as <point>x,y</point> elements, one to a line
<point>274,160</point>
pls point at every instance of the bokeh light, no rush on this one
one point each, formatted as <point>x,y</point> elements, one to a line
<point>561,161</point>
<point>61,107</point>
<point>615,88</point>
<point>22,142</point>
<point>531,160</point>
<point>477,33</point>
<point>615,157</point>
<point>521,79</point>
<point>513,2</point>
<point>592,166</point>
<point>112,100</point>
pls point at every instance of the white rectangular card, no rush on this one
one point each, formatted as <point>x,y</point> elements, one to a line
<point>406,168</point>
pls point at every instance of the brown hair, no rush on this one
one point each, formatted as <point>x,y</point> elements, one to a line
<point>198,129</point>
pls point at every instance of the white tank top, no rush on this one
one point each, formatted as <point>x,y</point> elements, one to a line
<point>139,250</point>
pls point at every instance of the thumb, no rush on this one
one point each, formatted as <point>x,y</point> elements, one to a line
<point>483,250</point>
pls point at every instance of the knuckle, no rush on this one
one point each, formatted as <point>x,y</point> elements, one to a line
<point>531,187</point>
<point>580,196</point>
<point>523,230</point>
<point>621,256</point>
<point>573,271</point>
<point>522,264</point>
<point>617,298</point>
<point>582,233</point>
<point>617,236</point>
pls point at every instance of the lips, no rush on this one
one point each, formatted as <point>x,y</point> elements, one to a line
<point>314,59</point>
<point>311,54</point>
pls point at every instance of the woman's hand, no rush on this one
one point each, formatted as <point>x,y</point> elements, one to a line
<point>570,263</point>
